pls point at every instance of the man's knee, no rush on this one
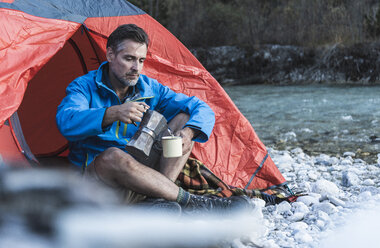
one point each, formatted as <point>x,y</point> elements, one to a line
<point>109,155</point>
<point>179,121</point>
<point>114,159</point>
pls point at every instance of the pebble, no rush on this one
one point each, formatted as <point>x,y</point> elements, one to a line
<point>312,175</point>
<point>296,217</point>
<point>350,179</point>
<point>334,160</point>
<point>351,154</point>
<point>364,196</point>
<point>303,237</point>
<point>327,175</point>
<point>297,151</point>
<point>299,225</point>
<point>346,162</point>
<point>320,223</point>
<point>322,158</point>
<point>373,168</point>
<point>283,157</point>
<point>368,182</point>
<point>300,207</point>
<point>315,195</point>
<point>308,200</point>
<point>321,215</point>
<point>372,189</point>
<point>289,136</point>
<point>286,243</point>
<point>337,202</point>
<point>284,162</point>
<point>325,207</point>
<point>325,187</point>
<point>283,207</point>
<point>260,203</point>
<point>359,161</point>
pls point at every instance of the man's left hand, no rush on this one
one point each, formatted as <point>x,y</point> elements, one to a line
<point>187,135</point>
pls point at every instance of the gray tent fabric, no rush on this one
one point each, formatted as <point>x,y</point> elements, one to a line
<point>76,11</point>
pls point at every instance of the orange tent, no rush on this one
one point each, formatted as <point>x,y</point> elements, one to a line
<point>45,44</point>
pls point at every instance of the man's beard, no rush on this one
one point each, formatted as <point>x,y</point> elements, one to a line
<point>127,82</point>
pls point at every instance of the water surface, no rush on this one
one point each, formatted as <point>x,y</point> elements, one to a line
<point>319,119</point>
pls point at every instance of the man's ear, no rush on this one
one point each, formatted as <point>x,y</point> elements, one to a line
<point>110,54</point>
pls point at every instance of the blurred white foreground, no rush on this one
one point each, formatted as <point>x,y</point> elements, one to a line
<point>123,227</point>
<point>362,229</point>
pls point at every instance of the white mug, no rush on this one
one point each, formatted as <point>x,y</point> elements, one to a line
<point>172,146</point>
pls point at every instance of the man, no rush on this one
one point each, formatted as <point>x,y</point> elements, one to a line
<point>99,114</point>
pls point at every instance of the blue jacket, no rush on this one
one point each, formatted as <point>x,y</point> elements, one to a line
<point>80,114</point>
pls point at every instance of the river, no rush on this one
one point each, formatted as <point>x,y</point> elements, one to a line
<point>318,119</point>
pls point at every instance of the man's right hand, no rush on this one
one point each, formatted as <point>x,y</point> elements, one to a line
<point>127,112</point>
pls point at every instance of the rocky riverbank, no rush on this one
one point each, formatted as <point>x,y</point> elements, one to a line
<point>55,208</point>
<point>356,64</point>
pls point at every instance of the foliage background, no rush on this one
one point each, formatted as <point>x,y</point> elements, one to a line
<point>248,23</point>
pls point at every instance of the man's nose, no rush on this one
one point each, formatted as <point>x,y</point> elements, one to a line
<point>135,65</point>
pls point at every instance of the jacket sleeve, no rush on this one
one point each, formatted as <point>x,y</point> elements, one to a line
<point>202,117</point>
<point>75,119</point>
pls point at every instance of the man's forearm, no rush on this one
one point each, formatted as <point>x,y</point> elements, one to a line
<point>110,116</point>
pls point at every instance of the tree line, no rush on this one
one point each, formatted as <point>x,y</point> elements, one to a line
<point>249,23</point>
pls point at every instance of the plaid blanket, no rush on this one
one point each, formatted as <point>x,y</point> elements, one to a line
<point>197,179</point>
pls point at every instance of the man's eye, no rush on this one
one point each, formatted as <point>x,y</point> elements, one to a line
<point>142,60</point>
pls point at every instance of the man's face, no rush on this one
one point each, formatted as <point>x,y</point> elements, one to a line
<point>126,62</point>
